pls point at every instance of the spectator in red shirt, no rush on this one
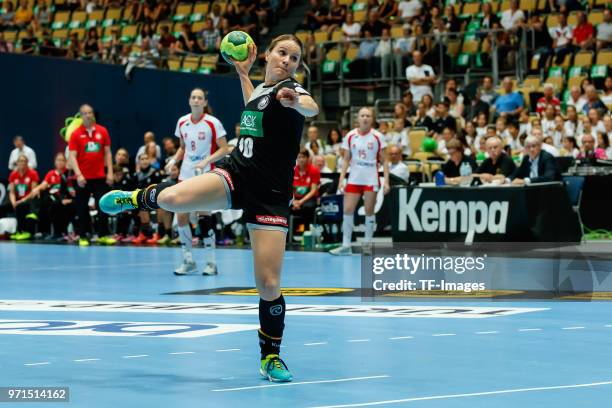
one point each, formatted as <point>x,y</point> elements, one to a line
<point>583,33</point>
<point>548,99</point>
<point>90,153</point>
<point>57,200</point>
<point>21,181</point>
<point>306,179</point>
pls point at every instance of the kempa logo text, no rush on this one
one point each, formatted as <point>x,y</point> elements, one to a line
<point>470,217</point>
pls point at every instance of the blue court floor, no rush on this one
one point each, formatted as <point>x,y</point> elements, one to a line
<point>102,321</point>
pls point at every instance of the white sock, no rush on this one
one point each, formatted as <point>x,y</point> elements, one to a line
<point>370,222</point>
<point>184,232</point>
<point>209,246</point>
<point>347,230</point>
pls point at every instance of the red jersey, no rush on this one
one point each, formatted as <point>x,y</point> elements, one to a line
<point>542,102</point>
<point>55,179</point>
<point>583,32</point>
<point>90,150</point>
<point>23,183</point>
<point>303,181</point>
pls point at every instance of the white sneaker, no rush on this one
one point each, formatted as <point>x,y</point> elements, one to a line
<point>186,267</point>
<point>341,251</point>
<point>210,269</point>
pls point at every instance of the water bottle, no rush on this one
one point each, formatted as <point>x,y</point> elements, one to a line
<point>466,173</point>
<point>439,178</point>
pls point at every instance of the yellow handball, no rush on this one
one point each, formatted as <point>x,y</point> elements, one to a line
<point>235,45</point>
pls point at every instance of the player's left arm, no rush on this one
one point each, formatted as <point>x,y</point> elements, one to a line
<point>298,98</point>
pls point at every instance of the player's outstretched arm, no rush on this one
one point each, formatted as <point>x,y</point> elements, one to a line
<point>304,104</point>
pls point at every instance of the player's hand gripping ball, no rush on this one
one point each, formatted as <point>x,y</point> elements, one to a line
<point>235,45</point>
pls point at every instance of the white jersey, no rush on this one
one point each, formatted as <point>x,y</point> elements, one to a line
<point>200,140</point>
<point>365,150</point>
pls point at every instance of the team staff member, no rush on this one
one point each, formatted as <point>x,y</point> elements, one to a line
<point>90,154</point>
<point>21,182</point>
<point>306,179</point>
<point>364,149</point>
<point>498,165</point>
<point>257,177</point>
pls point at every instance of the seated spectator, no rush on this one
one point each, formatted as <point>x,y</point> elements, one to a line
<point>396,166</point>
<point>162,12</point>
<point>430,107</point>
<point>542,44</point>
<point>513,140</point>
<point>210,40</point>
<point>166,41</point>
<point>334,142</point>
<point>604,31</point>
<point>548,99</point>
<point>152,151</point>
<point>447,134</point>
<point>409,10</point>
<point>451,21</point>
<point>29,42</point>
<point>548,120</point>
<point>572,123</point>
<point>92,47</point>
<point>233,17</point>
<point>124,181</point>
<point>558,132</point>
<point>319,163</point>
<point>383,53</point>
<point>576,99</point>
<point>422,119</point>
<point>306,181</point>
<point>583,34</point>
<point>74,47</point>
<point>21,149</point>
<point>562,36</point>
<point>316,16</point>
<point>443,119</point>
<point>408,106</point>
<point>5,46</point>
<point>170,145</point>
<point>215,15</point>
<point>588,152</point>
<point>364,66</point>
<point>23,15</point>
<point>374,24</point>
<point>350,28</point>
<point>596,122</point>
<point>451,168</point>
<point>398,136</point>
<point>56,201</point>
<point>513,18</point>
<point>148,138</point>
<point>487,91</point>
<point>475,107</point>
<point>537,166</point>
<point>314,142</point>
<point>570,147</point>
<point>163,236</point>
<point>498,165</point>
<point>509,105</point>
<point>593,101</point>
<point>603,142</point>
<point>547,147</point>
<point>387,11</point>
<point>456,107</point>
<point>469,132</point>
<point>187,41</point>
<point>607,96</point>
<point>6,18</point>
<point>336,16</point>
<point>113,47</point>
<point>21,182</point>
<point>146,31</point>
<point>122,159</point>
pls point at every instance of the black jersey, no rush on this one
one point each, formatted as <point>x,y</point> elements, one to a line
<point>145,178</point>
<point>269,142</point>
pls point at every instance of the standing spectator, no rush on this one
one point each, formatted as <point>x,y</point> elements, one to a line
<point>604,31</point>
<point>90,153</point>
<point>21,148</point>
<point>306,179</point>
<point>562,39</point>
<point>421,77</point>
<point>148,138</point>
<point>542,44</point>
<point>210,40</point>
<point>383,52</point>
<point>21,182</point>
<point>396,166</point>
<point>548,99</point>
<point>511,104</point>
<point>57,207</point>
<point>402,48</point>
<point>583,34</point>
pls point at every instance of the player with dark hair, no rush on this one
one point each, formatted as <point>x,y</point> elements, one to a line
<point>257,177</point>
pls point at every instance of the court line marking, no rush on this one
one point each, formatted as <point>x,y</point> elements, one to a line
<point>82,360</point>
<point>315,344</point>
<point>444,334</point>
<point>358,340</point>
<point>224,350</point>
<point>488,332</point>
<point>528,330</point>
<point>401,338</point>
<point>37,364</point>
<point>291,384</point>
<point>136,356</point>
<point>608,325</point>
<point>473,394</point>
<point>182,352</point>
<point>573,328</point>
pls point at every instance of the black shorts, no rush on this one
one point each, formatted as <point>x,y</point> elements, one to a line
<point>261,211</point>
